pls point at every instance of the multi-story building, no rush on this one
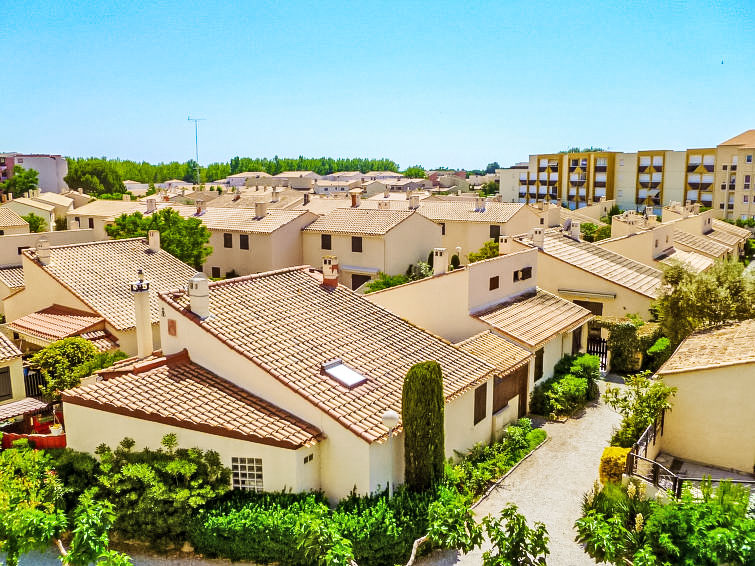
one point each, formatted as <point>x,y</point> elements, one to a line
<point>51,169</point>
<point>716,177</point>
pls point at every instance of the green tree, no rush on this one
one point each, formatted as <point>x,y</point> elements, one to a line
<point>58,362</point>
<point>514,542</point>
<point>614,210</point>
<point>415,172</point>
<point>491,188</point>
<point>385,281</point>
<point>184,238</point>
<point>422,409</point>
<point>490,169</point>
<point>192,172</point>
<point>488,250</point>
<point>690,300</point>
<point>92,185</point>
<point>36,223</point>
<point>22,181</point>
<point>94,175</point>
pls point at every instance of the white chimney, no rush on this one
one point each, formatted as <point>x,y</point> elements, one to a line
<point>479,204</point>
<point>199,295</point>
<point>384,205</point>
<point>696,208</point>
<point>330,271</point>
<point>201,207</point>
<point>504,244</point>
<point>126,197</point>
<point>387,192</point>
<point>276,195</point>
<point>651,221</point>
<point>260,209</point>
<point>151,205</point>
<point>440,261</point>
<point>538,237</point>
<point>43,250</point>
<point>414,202</point>
<point>153,239</point>
<point>576,230</point>
<point>142,318</point>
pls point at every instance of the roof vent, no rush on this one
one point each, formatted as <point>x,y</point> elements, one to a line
<point>538,237</point>
<point>151,205</point>
<point>199,295</point>
<point>153,241</point>
<point>440,261</point>
<point>260,209</point>
<point>342,373</point>
<point>504,244</point>
<point>43,250</point>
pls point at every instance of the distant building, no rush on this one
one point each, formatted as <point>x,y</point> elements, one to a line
<point>51,169</point>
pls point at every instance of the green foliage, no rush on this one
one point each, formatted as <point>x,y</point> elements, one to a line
<point>158,492</point>
<point>58,361</point>
<point>22,181</point>
<point>415,172</point>
<point>95,176</point>
<point>77,470</point>
<point>36,223</point>
<point>573,384</point>
<point>566,394</point>
<point>451,522</point>
<point>115,196</point>
<point>628,338</point>
<point>422,408</point>
<point>593,233</point>
<point>641,402</point>
<point>614,210</point>
<point>184,238</point>
<point>488,250</point>
<point>690,300</point>
<point>612,464</point>
<point>514,542</point>
<point>419,270</point>
<point>490,188</point>
<point>577,149</point>
<point>385,281</point>
<point>659,352</point>
<point>455,261</point>
<point>61,223</point>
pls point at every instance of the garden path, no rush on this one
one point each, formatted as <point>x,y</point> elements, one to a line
<point>548,486</point>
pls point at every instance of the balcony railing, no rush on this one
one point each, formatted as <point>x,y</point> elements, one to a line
<point>601,168</point>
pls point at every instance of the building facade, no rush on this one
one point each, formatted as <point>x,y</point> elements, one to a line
<point>51,169</point>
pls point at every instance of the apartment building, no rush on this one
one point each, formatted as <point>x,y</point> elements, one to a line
<point>51,169</point>
<point>717,177</point>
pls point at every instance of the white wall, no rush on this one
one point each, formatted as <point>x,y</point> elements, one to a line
<point>9,244</point>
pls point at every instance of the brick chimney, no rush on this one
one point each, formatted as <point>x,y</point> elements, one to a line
<point>504,244</point>
<point>43,250</point>
<point>151,205</point>
<point>576,230</point>
<point>356,198</point>
<point>199,295</point>
<point>260,209</point>
<point>440,261</point>
<point>142,318</point>
<point>330,271</point>
<point>153,239</point>
<point>538,237</point>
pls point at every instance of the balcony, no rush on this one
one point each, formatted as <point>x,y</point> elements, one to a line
<point>658,168</point>
<point>694,185</point>
<point>600,184</point>
<point>732,186</point>
<point>709,168</point>
<point>601,168</point>
<point>643,168</point>
<point>704,186</point>
<point>541,169</point>
<point>692,167</point>
<point>554,168</point>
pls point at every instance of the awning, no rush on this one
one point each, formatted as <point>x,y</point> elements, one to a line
<point>22,407</point>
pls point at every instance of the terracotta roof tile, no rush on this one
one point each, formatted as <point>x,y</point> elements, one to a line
<point>290,325</point>
<point>359,221</point>
<point>726,345</point>
<point>100,273</point>
<point>21,407</point>
<point>8,349</point>
<point>12,276</point>
<point>464,211</point>
<point>173,390</point>
<point>496,350</point>
<point>56,322</point>
<point>534,318</point>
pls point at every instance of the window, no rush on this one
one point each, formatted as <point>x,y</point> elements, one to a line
<point>356,244</point>
<point>480,402</point>
<point>22,248</point>
<point>747,182</point>
<point>91,222</point>
<point>748,159</point>
<point>246,473</point>
<point>522,274</point>
<point>325,241</point>
<point>227,240</point>
<point>6,391</point>
<point>576,341</point>
<point>495,231</point>
<point>656,243</point>
<point>542,220</point>
<point>745,199</point>
<point>216,272</point>
<point>442,228</point>
<point>244,241</point>
<point>725,167</point>
<point>539,363</point>
<point>2,232</point>
<point>78,220</point>
<point>309,458</point>
<point>493,283</point>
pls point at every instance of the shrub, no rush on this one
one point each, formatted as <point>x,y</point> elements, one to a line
<point>455,261</point>
<point>613,463</point>
<point>659,352</point>
<point>574,382</point>
<point>567,394</point>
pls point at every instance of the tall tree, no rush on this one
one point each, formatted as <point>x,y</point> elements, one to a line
<point>422,416</point>
<point>22,180</point>
<point>492,167</point>
<point>103,170</point>
<point>415,172</point>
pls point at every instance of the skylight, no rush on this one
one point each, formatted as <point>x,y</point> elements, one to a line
<point>343,373</point>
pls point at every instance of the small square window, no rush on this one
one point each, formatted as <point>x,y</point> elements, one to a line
<point>495,231</point>
<point>244,241</point>
<point>356,244</point>
<point>442,229</point>
<point>748,159</point>
<point>227,240</point>
<point>494,283</point>
<point>325,241</point>
<point>216,272</point>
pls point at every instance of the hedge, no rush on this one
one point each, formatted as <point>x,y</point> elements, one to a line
<point>612,464</point>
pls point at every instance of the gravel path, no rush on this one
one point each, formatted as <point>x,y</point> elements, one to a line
<point>549,485</point>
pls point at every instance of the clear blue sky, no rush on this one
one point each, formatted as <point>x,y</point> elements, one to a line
<point>436,83</point>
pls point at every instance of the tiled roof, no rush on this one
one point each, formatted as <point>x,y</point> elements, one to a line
<point>54,199</point>
<point>464,211</point>
<point>294,174</point>
<point>100,274</point>
<point>603,263</point>
<point>565,214</point>
<point>726,345</point>
<point>694,261</point>
<point>290,325</point>
<point>12,276</point>
<point>731,228</point>
<point>746,139</point>
<point>112,208</point>
<point>56,322</point>
<point>498,351</point>
<point>172,390</point>
<point>21,407</point>
<point>10,218</point>
<point>33,203</point>
<point>249,174</point>
<point>359,221</point>
<point>244,219</point>
<point>701,244</point>
<point>101,339</point>
<point>8,349</point>
<point>535,318</point>
<point>724,237</point>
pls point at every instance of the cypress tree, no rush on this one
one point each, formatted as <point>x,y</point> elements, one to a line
<point>422,408</point>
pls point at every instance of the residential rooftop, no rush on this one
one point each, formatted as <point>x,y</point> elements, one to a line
<point>12,276</point>
<point>701,244</point>
<point>8,349</point>
<point>489,346</point>
<point>370,222</point>
<point>465,211</point>
<point>33,203</point>
<point>11,219</point>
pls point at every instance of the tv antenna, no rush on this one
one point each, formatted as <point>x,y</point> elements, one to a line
<point>196,140</point>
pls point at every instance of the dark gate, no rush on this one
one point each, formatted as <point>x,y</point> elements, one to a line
<point>598,347</point>
<point>32,380</point>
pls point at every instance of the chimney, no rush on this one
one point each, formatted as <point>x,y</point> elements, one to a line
<point>576,231</point>
<point>330,271</point>
<point>126,197</point>
<point>153,239</point>
<point>306,198</point>
<point>276,196</point>
<point>504,244</point>
<point>414,202</point>
<point>440,261</point>
<point>651,221</point>
<point>43,250</point>
<point>538,237</point>
<point>479,204</point>
<point>602,199</point>
<point>151,205</point>
<point>356,198</point>
<point>696,208</point>
<point>260,209</point>
<point>201,207</point>
<point>387,192</point>
<point>142,318</point>
<point>199,295</point>
<point>73,225</point>
<point>26,194</point>
<point>384,205</point>
<point>81,191</point>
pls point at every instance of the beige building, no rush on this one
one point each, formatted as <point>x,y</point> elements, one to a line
<point>11,373</point>
<point>93,279</point>
<point>467,224</point>
<point>24,206</point>
<point>704,229</point>
<point>298,401</point>
<point>714,372</point>
<point>12,223</point>
<point>369,241</point>
<point>11,281</point>
<point>61,203</point>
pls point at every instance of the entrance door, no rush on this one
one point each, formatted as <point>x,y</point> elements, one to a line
<point>358,280</point>
<point>522,375</point>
